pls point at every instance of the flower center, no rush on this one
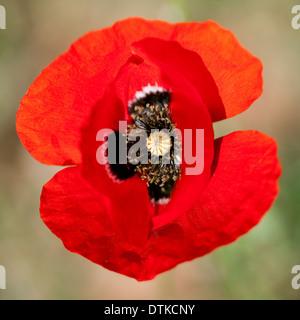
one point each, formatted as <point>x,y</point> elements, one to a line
<point>156,159</point>
<point>159,143</point>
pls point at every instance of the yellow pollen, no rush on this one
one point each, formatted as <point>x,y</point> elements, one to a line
<point>159,143</point>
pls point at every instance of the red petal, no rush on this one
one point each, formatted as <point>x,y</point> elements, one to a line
<point>77,214</point>
<point>69,209</point>
<point>237,73</point>
<point>80,215</point>
<point>188,65</point>
<point>61,99</point>
<point>134,29</point>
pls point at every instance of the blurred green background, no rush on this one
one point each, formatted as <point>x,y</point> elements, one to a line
<point>258,265</point>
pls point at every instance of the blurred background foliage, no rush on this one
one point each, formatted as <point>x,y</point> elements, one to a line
<point>258,265</point>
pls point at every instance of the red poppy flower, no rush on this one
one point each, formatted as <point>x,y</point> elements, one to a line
<point>185,75</point>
